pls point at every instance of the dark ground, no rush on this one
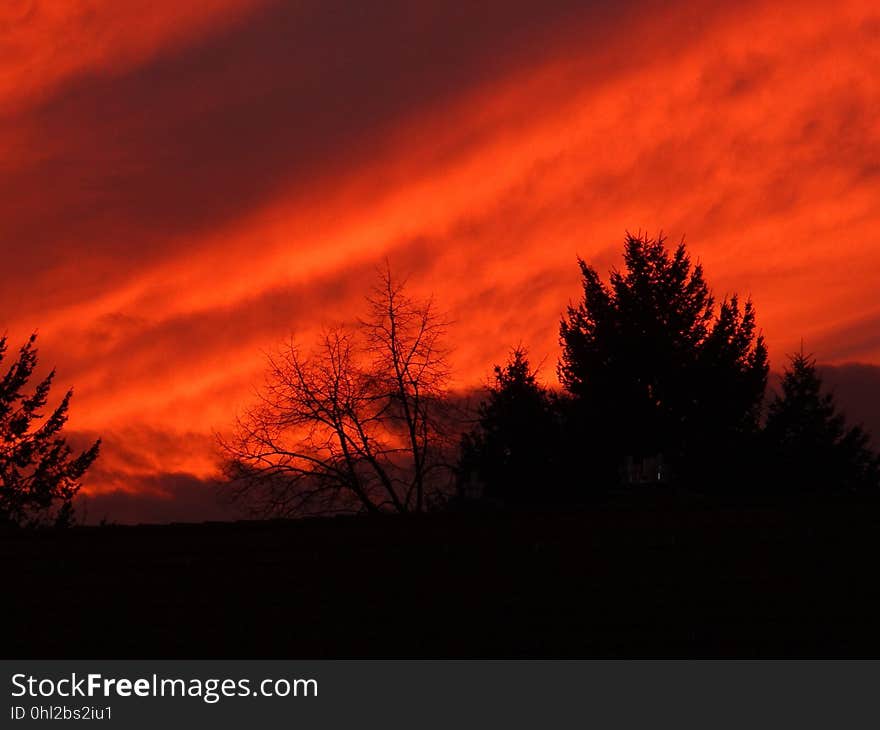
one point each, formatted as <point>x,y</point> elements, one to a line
<point>633,578</point>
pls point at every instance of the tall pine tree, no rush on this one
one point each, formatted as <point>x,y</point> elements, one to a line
<point>513,450</point>
<point>39,475</point>
<point>652,367</point>
<point>810,448</point>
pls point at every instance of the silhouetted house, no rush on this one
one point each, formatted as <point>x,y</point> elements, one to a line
<point>471,488</point>
<point>645,470</point>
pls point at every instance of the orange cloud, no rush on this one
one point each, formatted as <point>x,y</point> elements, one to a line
<point>44,43</point>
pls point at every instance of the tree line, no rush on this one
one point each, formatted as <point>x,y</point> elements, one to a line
<point>661,386</point>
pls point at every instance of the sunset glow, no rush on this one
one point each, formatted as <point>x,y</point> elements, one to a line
<point>184,185</point>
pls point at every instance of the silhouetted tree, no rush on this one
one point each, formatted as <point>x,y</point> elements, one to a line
<point>512,452</point>
<point>809,446</point>
<point>39,476</point>
<point>651,368</point>
<point>356,425</point>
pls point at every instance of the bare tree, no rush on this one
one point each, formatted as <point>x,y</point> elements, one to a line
<point>358,424</point>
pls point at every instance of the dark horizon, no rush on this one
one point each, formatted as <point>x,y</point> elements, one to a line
<point>182,498</point>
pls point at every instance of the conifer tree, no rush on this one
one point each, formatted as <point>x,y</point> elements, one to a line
<point>652,367</point>
<point>513,450</point>
<point>810,447</point>
<point>39,475</point>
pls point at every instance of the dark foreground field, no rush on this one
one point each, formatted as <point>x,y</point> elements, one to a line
<point>644,578</point>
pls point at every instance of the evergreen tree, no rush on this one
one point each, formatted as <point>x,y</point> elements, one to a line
<point>653,369</point>
<point>722,437</point>
<point>512,451</point>
<point>810,447</point>
<point>39,476</point>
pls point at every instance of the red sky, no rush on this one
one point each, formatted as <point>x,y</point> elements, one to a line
<point>185,184</point>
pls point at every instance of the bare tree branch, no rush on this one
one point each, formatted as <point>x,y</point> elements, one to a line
<point>358,424</point>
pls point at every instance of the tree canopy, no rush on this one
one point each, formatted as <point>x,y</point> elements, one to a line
<point>356,424</point>
<point>660,381</point>
<point>654,367</point>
